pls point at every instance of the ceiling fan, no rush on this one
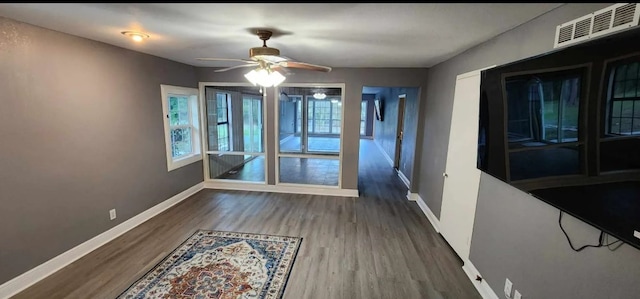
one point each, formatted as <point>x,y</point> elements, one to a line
<point>268,58</point>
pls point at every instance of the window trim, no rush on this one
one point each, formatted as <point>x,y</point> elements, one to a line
<point>194,114</point>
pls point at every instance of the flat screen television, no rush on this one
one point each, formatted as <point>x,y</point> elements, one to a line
<point>565,127</point>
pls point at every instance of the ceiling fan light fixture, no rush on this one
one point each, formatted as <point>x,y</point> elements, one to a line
<point>265,78</point>
<point>319,95</point>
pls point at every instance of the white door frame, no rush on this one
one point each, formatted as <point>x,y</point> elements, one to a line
<point>278,154</point>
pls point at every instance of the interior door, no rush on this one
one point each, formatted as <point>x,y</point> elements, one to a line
<point>461,177</point>
<point>400,132</point>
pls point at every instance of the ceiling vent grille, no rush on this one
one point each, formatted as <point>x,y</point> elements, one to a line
<point>602,22</point>
<point>582,28</point>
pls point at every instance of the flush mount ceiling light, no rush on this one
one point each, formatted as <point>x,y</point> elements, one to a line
<point>319,95</point>
<point>136,36</point>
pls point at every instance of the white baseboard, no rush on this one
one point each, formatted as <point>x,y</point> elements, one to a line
<point>427,212</point>
<point>412,196</point>
<point>282,188</point>
<point>49,267</point>
<point>383,153</point>
<point>482,286</point>
<point>404,179</point>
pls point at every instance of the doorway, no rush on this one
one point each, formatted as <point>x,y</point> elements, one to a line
<point>310,124</point>
<point>234,133</point>
<point>399,131</point>
<point>309,121</point>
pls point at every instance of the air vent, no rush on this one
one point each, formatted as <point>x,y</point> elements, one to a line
<point>602,22</point>
<point>565,33</point>
<point>582,28</point>
<point>624,14</point>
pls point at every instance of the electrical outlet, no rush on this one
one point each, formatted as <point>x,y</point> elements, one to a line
<point>636,234</point>
<point>517,295</point>
<point>507,288</point>
<point>112,214</point>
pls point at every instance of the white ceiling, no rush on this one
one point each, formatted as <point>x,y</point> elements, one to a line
<point>336,35</point>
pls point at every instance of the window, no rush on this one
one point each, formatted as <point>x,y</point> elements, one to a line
<point>181,125</point>
<point>543,127</point>
<point>252,123</point>
<point>222,110</point>
<point>543,109</point>
<point>363,118</point>
<point>324,116</point>
<point>624,100</point>
<point>336,114</point>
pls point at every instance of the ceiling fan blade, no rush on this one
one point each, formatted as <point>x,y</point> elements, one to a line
<point>306,66</point>
<point>226,59</point>
<point>271,58</point>
<point>281,69</point>
<point>236,67</point>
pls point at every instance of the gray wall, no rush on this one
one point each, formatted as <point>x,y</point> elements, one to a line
<point>385,131</point>
<point>516,235</point>
<point>411,108</point>
<point>82,132</point>
<point>354,79</point>
<point>287,119</point>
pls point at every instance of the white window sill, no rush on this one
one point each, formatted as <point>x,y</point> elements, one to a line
<point>184,161</point>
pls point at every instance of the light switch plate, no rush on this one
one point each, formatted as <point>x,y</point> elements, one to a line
<point>507,288</point>
<point>517,295</point>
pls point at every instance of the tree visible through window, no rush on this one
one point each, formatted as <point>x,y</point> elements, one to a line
<point>543,108</point>
<point>181,125</point>
<point>624,100</point>
<point>324,116</point>
<point>222,110</point>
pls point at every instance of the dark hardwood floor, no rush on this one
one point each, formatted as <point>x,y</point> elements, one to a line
<point>379,245</point>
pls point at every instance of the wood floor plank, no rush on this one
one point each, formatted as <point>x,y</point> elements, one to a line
<point>378,245</point>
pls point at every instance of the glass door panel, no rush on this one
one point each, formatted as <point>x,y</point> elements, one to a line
<point>310,128</point>
<point>252,123</point>
<point>234,133</point>
<point>290,123</point>
<point>325,122</point>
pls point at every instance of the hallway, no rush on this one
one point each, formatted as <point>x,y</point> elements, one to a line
<point>379,245</point>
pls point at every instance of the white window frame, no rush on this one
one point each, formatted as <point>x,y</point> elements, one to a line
<point>194,115</point>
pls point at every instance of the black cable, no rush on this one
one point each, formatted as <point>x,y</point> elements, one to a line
<point>615,248</point>
<point>600,239</point>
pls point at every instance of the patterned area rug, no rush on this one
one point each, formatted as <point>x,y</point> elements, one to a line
<point>225,265</point>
